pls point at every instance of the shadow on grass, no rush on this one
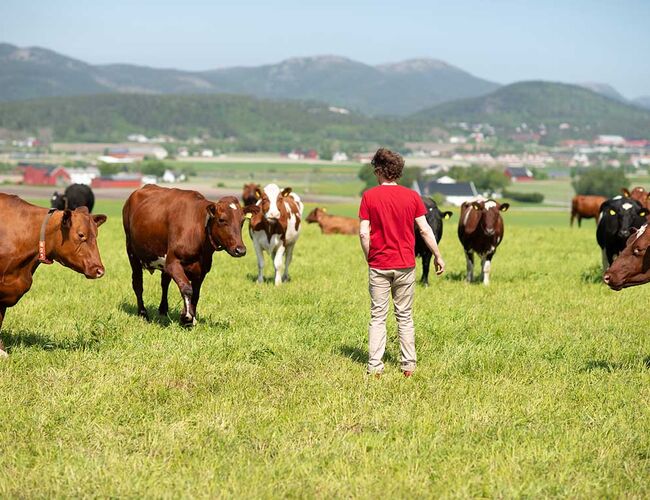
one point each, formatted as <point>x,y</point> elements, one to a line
<point>609,366</point>
<point>154,317</point>
<point>593,275</point>
<point>455,276</point>
<point>253,278</point>
<point>173,317</point>
<point>32,339</point>
<point>361,355</point>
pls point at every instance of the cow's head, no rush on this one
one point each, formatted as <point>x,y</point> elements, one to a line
<point>638,193</point>
<point>57,201</point>
<point>632,267</point>
<point>248,195</point>
<point>225,220</point>
<point>484,215</point>
<point>269,200</point>
<point>619,215</point>
<point>76,242</point>
<point>316,214</point>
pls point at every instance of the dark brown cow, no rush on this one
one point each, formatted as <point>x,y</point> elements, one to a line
<point>176,231</point>
<point>586,207</point>
<point>249,194</point>
<point>480,230</point>
<point>632,267</point>
<point>333,224</point>
<point>69,238</point>
<point>639,194</point>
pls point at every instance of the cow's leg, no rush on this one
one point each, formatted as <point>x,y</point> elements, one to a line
<point>177,273</point>
<point>196,293</point>
<point>579,221</point>
<point>486,264</point>
<point>605,260</point>
<point>573,216</point>
<point>260,260</point>
<point>136,282</point>
<point>278,263</point>
<point>426,263</point>
<point>3,353</point>
<point>287,260</point>
<point>469,256</point>
<point>165,279</point>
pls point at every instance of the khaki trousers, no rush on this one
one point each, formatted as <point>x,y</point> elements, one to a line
<point>400,283</point>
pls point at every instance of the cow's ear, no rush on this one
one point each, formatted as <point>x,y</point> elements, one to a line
<point>504,207</point>
<point>286,191</point>
<point>99,219</point>
<point>83,210</point>
<point>258,192</point>
<point>212,209</point>
<point>447,215</point>
<point>66,220</point>
<point>324,210</point>
<point>625,192</point>
<point>476,205</point>
<point>251,210</point>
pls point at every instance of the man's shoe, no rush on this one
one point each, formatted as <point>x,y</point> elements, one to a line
<point>407,373</point>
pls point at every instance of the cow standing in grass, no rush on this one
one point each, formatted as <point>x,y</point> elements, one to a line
<point>333,224</point>
<point>586,207</point>
<point>434,218</point>
<point>619,217</point>
<point>74,196</point>
<point>176,232</point>
<point>32,235</point>
<point>480,230</point>
<point>274,228</point>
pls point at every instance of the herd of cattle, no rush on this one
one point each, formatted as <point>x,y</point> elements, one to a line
<point>177,231</point>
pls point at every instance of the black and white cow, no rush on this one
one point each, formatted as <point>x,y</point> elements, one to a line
<point>617,218</point>
<point>75,196</point>
<point>434,218</point>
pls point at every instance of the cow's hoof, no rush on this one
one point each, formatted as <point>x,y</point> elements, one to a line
<point>3,354</point>
<point>144,314</point>
<point>286,279</point>
<point>188,321</point>
<point>163,311</point>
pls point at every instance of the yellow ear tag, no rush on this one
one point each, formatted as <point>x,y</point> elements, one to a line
<point>325,210</point>
<point>249,215</point>
<point>612,212</point>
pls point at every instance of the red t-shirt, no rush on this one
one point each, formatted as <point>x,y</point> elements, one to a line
<point>391,211</point>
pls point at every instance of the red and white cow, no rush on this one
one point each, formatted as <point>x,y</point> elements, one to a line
<point>274,228</point>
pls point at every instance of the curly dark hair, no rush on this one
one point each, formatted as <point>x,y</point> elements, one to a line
<point>388,164</point>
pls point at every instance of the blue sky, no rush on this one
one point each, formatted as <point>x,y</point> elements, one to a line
<point>500,40</point>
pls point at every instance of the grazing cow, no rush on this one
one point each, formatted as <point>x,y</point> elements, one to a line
<point>586,207</point>
<point>32,235</point>
<point>480,230</point>
<point>176,231</point>
<point>274,228</point>
<point>434,218</point>
<point>248,196</point>
<point>618,217</point>
<point>639,194</point>
<point>75,196</point>
<point>632,267</point>
<point>333,224</point>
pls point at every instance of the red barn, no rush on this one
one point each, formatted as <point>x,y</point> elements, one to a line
<point>518,174</point>
<point>45,175</point>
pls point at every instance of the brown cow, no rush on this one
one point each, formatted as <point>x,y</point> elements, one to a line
<point>632,267</point>
<point>480,230</point>
<point>639,194</point>
<point>33,235</point>
<point>176,231</point>
<point>249,194</point>
<point>586,207</point>
<point>333,224</point>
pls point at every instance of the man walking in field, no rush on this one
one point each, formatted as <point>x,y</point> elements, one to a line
<point>387,213</point>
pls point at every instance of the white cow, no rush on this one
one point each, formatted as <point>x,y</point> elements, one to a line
<point>274,228</point>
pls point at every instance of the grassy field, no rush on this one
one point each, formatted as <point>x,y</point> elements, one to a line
<point>536,386</point>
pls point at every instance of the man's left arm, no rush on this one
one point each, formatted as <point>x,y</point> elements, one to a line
<point>364,237</point>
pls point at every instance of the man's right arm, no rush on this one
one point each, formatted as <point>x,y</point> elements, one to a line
<point>430,240</point>
<point>364,236</point>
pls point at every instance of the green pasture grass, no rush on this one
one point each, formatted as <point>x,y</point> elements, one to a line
<point>535,386</point>
<point>261,167</point>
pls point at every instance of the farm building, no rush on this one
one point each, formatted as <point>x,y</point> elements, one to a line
<point>518,174</point>
<point>121,180</point>
<point>44,175</point>
<point>455,193</point>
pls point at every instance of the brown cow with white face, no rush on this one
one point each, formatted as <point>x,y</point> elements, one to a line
<point>586,207</point>
<point>480,230</point>
<point>69,238</point>
<point>176,232</point>
<point>632,267</point>
<point>639,194</point>
<point>333,224</point>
